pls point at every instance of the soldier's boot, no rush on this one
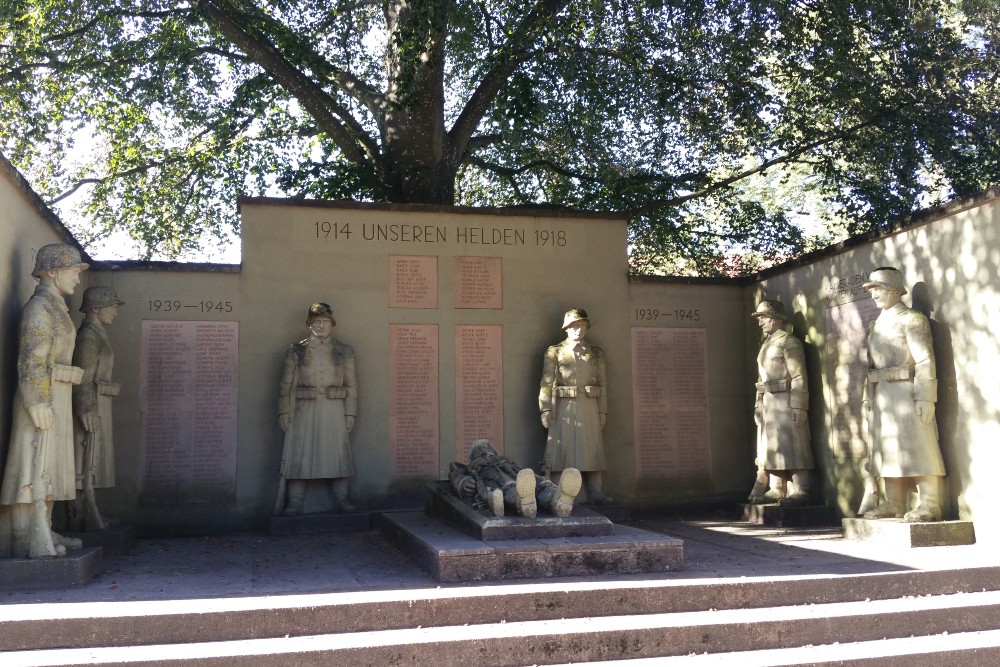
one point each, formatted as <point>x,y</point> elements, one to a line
<point>496,502</point>
<point>802,494</point>
<point>871,498</point>
<point>341,505</point>
<point>525,486</point>
<point>759,494</point>
<point>40,542</point>
<point>929,506</point>
<point>892,506</point>
<point>296,489</point>
<point>570,483</point>
<point>594,481</point>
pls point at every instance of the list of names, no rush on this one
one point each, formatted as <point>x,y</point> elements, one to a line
<point>413,281</point>
<point>478,282</point>
<point>414,431</point>
<point>478,386</point>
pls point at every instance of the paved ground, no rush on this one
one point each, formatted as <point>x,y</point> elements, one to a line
<point>261,565</point>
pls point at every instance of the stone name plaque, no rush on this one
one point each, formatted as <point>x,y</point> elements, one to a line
<point>478,386</point>
<point>670,397</point>
<point>846,372</point>
<point>188,391</point>
<point>414,430</point>
<point>478,282</point>
<point>413,281</point>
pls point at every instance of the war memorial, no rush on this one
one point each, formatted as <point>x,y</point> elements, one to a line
<point>492,392</point>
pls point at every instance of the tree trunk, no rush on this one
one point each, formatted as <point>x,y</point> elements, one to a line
<point>418,164</point>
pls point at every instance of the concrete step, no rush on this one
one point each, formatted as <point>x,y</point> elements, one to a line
<point>574,640</point>
<point>81,625</point>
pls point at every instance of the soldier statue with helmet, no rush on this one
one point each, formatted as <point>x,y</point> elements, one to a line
<point>41,465</point>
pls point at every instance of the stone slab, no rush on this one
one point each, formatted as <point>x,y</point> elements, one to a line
<point>894,533</point>
<point>777,516</point>
<point>451,556</point>
<point>482,525</point>
<point>73,570</point>
<point>614,513</point>
<point>114,541</point>
<point>305,524</point>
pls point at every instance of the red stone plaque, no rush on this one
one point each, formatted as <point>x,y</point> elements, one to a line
<point>414,430</point>
<point>847,372</point>
<point>670,398</point>
<point>478,282</point>
<point>188,391</point>
<point>478,386</point>
<point>413,281</point>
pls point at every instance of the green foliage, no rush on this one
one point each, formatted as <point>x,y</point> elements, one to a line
<point>737,133</point>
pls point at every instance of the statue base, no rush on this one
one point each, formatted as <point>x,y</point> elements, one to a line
<point>895,533</point>
<point>458,513</point>
<point>114,541</point>
<point>306,524</point>
<point>776,516</point>
<point>451,556</point>
<point>73,570</point>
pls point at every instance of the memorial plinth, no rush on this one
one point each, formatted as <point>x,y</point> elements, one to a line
<point>776,516</point>
<point>895,533</point>
<point>306,524</point>
<point>74,569</point>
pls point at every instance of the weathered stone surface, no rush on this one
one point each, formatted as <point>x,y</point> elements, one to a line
<point>482,525</point>
<point>74,569</point>
<point>896,533</point>
<point>790,517</point>
<point>451,556</point>
<point>114,541</point>
<point>304,524</point>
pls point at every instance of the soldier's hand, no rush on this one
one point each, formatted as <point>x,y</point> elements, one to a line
<point>604,419</point>
<point>91,422</point>
<point>925,410</point>
<point>799,416</point>
<point>468,485</point>
<point>546,419</point>
<point>42,416</point>
<point>350,422</point>
<point>285,420</point>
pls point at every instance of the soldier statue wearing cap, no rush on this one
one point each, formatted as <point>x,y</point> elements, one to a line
<point>92,399</point>
<point>781,413</point>
<point>40,462</point>
<point>317,404</point>
<point>899,400</point>
<point>573,401</point>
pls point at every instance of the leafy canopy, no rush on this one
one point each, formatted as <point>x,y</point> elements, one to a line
<point>720,126</point>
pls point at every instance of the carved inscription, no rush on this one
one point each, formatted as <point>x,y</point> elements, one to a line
<point>670,395</point>
<point>465,235</point>
<point>847,370</point>
<point>478,282</point>
<point>478,386</point>
<point>188,385</point>
<point>414,431</point>
<point>413,281</point>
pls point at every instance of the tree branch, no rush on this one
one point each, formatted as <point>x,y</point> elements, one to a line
<point>511,172</point>
<point>138,169</point>
<point>118,13</point>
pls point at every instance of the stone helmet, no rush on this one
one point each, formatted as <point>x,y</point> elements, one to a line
<point>57,257</point>
<point>317,310</point>
<point>481,447</point>
<point>99,296</point>
<point>887,277</point>
<point>575,315</point>
<point>770,308</point>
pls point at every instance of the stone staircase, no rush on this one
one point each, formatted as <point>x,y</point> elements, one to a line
<point>911,617</point>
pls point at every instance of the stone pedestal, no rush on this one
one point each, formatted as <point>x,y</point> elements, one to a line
<point>453,557</point>
<point>894,533</point>
<point>305,524</point>
<point>113,541</point>
<point>776,516</point>
<point>73,570</point>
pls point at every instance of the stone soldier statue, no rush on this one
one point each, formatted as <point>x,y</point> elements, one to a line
<point>92,400</point>
<point>573,401</point>
<point>899,401</point>
<point>497,481</point>
<point>781,412</point>
<point>40,462</point>
<point>317,405</point>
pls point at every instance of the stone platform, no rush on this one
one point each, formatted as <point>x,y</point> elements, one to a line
<point>776,516</point>
<point>895,533</point>
<point>306,524</point>
<point>113,541</point>
<point>73,570</point>
<point>454,557</point>
<point>445,506</point>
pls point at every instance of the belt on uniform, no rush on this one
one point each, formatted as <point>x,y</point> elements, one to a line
<point>332,392</point>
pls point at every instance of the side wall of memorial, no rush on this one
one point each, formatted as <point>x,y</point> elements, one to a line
<point>950,259</point>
